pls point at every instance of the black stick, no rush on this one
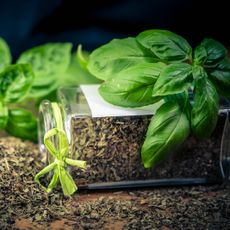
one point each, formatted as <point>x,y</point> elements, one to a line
<point>150,183</point>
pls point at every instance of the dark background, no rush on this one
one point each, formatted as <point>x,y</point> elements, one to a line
<point>26,23</point>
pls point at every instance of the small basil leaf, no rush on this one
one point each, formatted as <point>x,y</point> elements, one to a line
<point>166,45</point>
<point>175,78</point>
<point>118,55</point>
<point>168,129</point>
<point>21,123</point>
<point>15,82</point>
<point>205,106</point>
<point>215,51</point>
<point>48,61</point>
<point>220,77</point>
<point>3,115</point>
<point>200,55</point>
<point>5,56</point>
<point>132,87</point>
<point>82,57</point>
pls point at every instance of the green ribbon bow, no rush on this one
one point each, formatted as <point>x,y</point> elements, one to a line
<point>60,160</point>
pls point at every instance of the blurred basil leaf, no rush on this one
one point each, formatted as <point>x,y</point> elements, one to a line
<point>3,115</point>
<point>82,57</point>
<point>5,56</point>
<point>15,82</point>
<point>21,123</point>
<point>49,62</point>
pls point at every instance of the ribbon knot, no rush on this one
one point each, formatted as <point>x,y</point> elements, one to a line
<point>60,162</point>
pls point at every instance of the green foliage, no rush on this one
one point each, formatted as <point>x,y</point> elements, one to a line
<point>127,67</point>
<point>5,56</point>
<point>175,78</point>
<point>21,123</point>
<point>118,55</point>
<point>132,87</point>
<point>15,82</point>
<point>3,115</point>
<point>211,52</point>
<point>165,45</point>
<point>167,130</point>
<point>37,74</point>
<point>49,62</point>
<point>205,107</point>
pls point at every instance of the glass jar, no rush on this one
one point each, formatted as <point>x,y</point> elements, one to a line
<point>110,144</point>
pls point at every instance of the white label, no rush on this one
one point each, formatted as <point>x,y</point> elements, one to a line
<point>100,108</point>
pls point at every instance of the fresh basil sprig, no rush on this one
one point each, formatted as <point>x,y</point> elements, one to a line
<point>36,76</point>
<point>204,74</point>
<point>15,84</point>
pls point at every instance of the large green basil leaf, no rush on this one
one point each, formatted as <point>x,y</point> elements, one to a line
<point>5,56</point>
<point>15,82</point>
<point>3,115</point>
<point>175,78</point>
<point>210,52</point>
<point>21,123</point>
<point>118,55</point>
<point>220,77</point>
<point>166,45</point>
<point>132,87</point>
<point>49,62</point>
<point>205,106</point>
<point>168,129</point>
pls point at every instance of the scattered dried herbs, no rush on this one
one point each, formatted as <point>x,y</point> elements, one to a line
<point>24,205</point>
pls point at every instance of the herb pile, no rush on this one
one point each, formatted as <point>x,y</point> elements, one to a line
<point>160,65</point>
<point>23,205</point>
<point>36,75</point>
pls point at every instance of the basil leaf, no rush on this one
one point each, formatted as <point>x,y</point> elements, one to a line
<point>168,129</point>
<point>200,55</point>
<point>15,82</point>
<point>132,87</point>
<point>205,107</point>
<point>44,86</point>
<point>166,45</point>
<point>48,61</point>
<point>5,56</point>
<point>175,78</point>
<point>82,57</point>
<point>3,115</point>
<point>118,55</point>
<point>214,50</point>
<point>220,77</point>
<point>21,123</point>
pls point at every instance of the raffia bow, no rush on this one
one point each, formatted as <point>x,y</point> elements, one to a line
<point>60,160</point>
